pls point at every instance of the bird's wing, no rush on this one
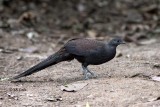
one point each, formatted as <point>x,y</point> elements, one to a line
<point>83,47</point>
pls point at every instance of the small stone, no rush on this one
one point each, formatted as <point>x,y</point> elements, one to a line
<point>31,35</point>
<point>19,58</point>
<point>156,65</point>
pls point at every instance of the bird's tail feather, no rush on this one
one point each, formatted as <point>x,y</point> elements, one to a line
<point>51,60</point>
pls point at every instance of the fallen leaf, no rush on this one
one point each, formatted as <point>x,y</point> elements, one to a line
<point>29,50</point>
<point>35,56</point>
<point>154,99</point>
<point>7,51</point>
<point>4,79</point>
<point>54,99</point>
<point>73,87</point>
<point>12,96</point>
<point>156,78</point>
<point>140,75</point>
<point>156,65</point>
<point>145,42</point>
<point>28,18</point>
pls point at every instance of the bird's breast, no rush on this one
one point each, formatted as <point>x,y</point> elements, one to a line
<point>100,57</point>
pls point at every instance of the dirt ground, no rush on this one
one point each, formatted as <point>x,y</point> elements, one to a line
<point>115,85</point>
<point>32,30</point>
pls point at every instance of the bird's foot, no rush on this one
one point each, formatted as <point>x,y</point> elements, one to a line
<point>93,74</point>
<point>87,75</point>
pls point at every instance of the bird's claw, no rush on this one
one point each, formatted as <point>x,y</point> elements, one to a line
<point>94,75</point>
<point>88,75</point>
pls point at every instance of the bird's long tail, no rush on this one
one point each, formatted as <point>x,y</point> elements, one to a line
<point>59,56</point>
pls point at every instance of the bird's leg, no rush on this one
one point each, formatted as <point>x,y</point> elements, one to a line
<point>85,72</point>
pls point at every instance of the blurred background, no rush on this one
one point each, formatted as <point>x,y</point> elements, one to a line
<point>59,20</point>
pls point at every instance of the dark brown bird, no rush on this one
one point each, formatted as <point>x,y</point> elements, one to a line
<point>86,51</point>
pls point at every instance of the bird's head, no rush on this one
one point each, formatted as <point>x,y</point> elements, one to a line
<point>116,42</point>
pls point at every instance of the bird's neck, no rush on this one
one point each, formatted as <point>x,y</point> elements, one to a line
<point>111,49</point>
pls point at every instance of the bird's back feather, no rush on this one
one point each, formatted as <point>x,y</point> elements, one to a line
<point>83,47</point>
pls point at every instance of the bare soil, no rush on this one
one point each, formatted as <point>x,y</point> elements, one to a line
<point>114,86</point>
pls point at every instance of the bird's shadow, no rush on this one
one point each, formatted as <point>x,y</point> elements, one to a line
<point>59,80</point>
